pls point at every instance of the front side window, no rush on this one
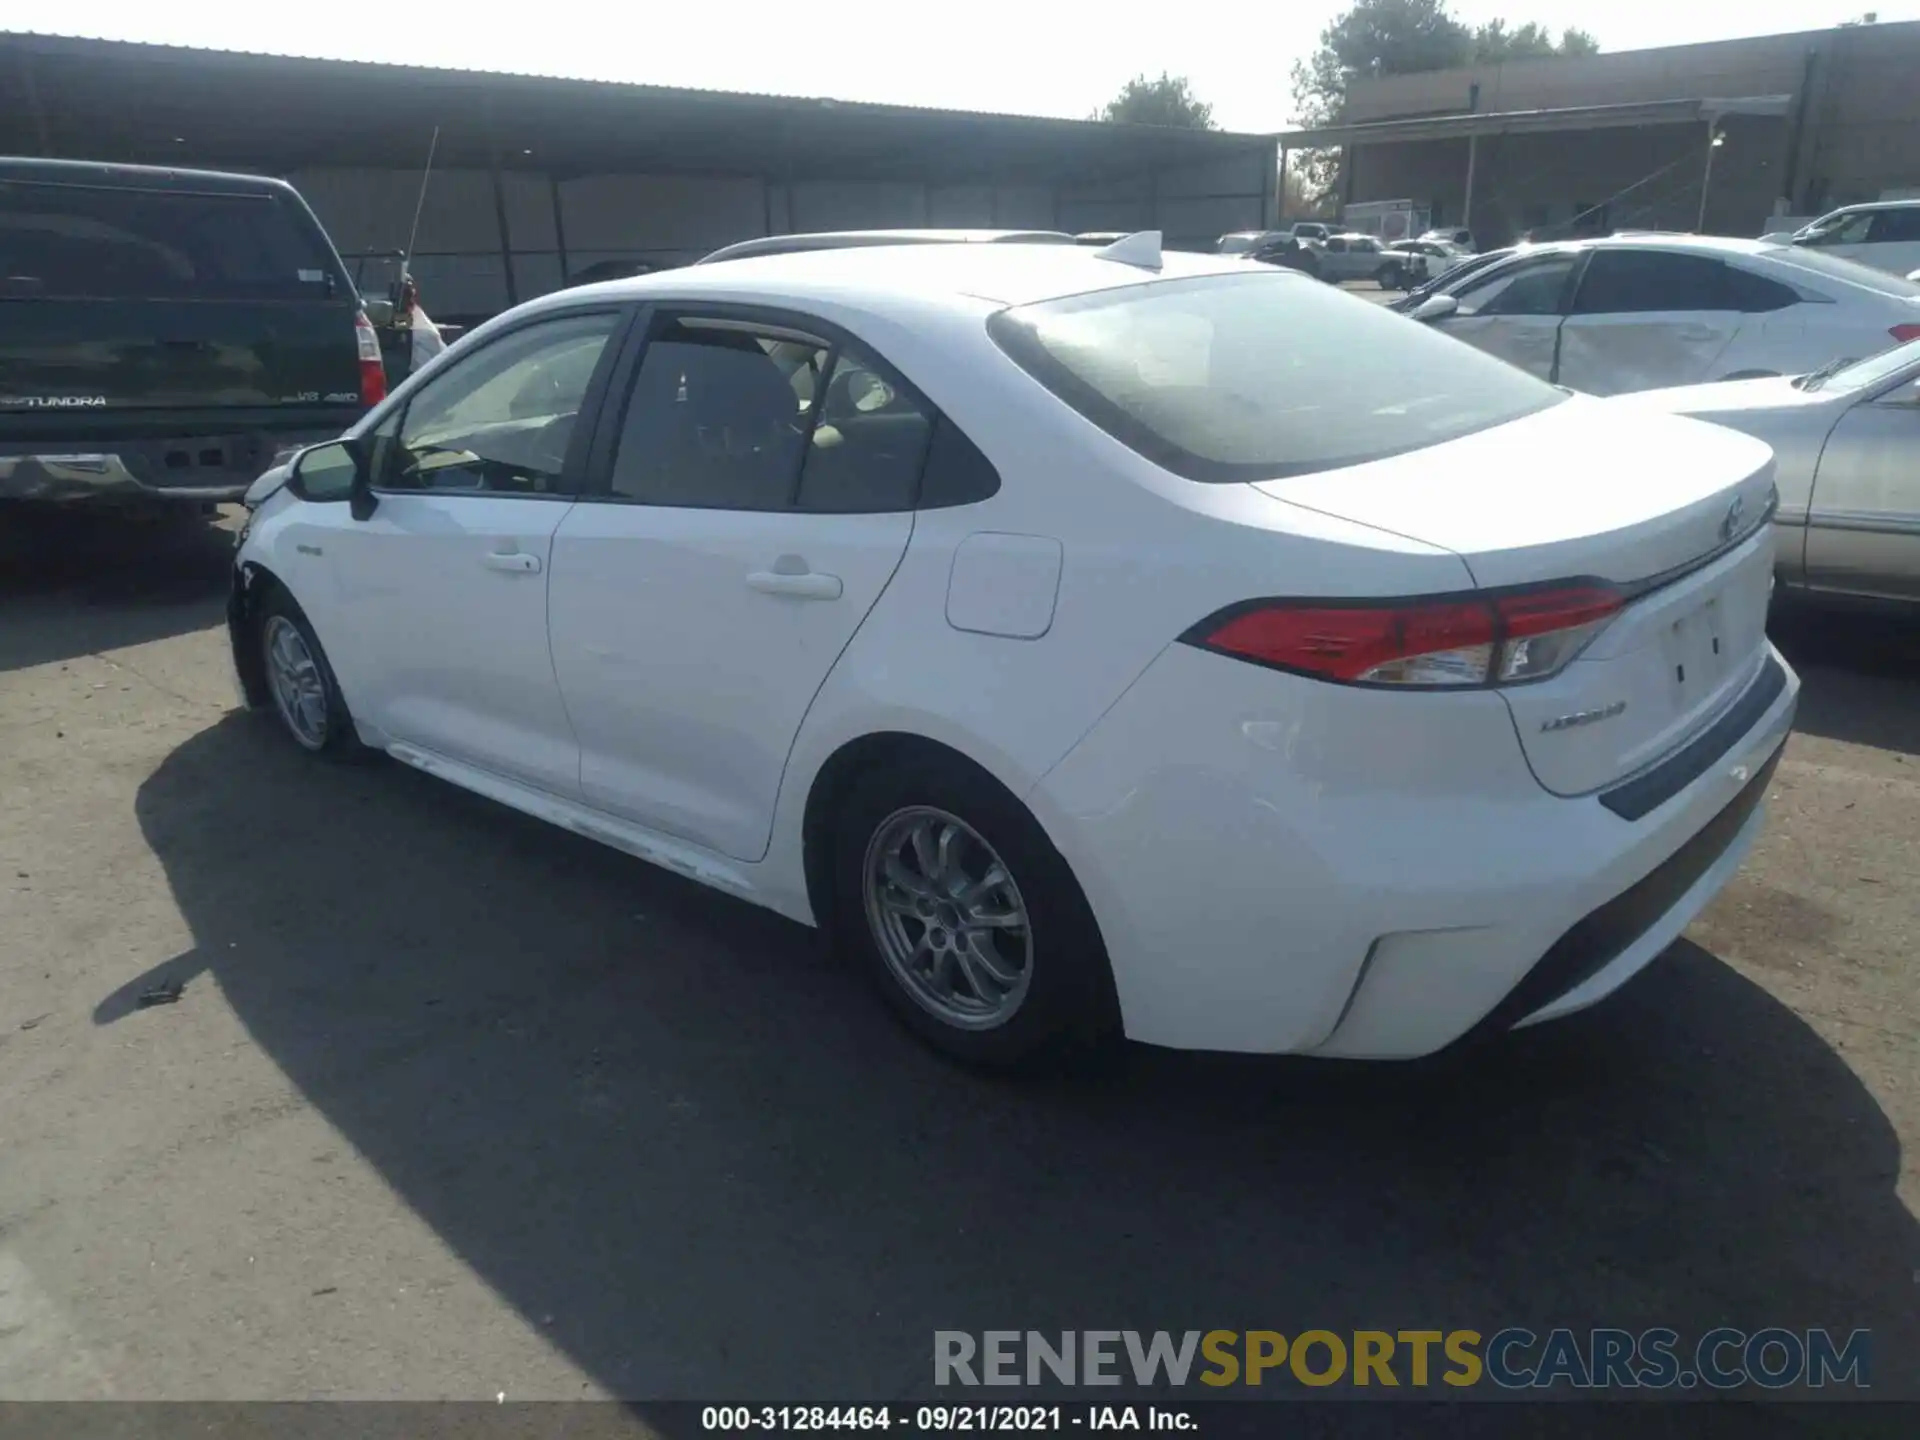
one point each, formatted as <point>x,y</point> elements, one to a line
<point>1230,378</point>
<point>502,419</point>
<point>1527,289</point>
<point>1844,229</point>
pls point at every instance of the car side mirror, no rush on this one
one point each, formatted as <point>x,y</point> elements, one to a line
<point>336,470</point>
<point>1435,307</point>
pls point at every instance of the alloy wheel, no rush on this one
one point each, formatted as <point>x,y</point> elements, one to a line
<point>948,918</point>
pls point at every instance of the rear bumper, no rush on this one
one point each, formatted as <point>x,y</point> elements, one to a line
<point>181,470</point>
<point>1280,865</point>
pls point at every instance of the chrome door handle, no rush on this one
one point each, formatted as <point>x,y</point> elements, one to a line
<point>808,586</point>
<point>514,562</point>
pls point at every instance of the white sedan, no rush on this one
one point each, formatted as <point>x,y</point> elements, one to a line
<point>1639,312</point>
<point>1065,630</point>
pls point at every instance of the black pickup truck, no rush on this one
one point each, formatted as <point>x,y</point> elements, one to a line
<point>166,334</point>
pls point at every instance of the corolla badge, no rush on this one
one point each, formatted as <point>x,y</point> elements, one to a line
<point>1730,523</point>
<point>1582,717</point>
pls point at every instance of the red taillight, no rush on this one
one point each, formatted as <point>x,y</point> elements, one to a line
<point>1903,333</point>
<point>1498,638</point>
<point>373,374</point>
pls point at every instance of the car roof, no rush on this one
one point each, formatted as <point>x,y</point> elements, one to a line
<point>878,277</point>
<point>1873,205</point>
<point>860,239</point>
<point>145,177</point>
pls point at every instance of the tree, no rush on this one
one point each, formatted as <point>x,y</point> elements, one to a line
<point>1403,37</point>
<point>1493,43</point>
<point>1168,101</point>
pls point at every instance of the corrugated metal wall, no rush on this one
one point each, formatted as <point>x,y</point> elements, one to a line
<point>554,229</point>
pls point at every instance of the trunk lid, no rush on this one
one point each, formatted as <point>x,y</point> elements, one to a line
<point>1670,509</point>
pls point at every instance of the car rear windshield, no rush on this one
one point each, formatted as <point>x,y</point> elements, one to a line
<point>1229,378</point>
<point>93,242</point>
<point>1838,267</point>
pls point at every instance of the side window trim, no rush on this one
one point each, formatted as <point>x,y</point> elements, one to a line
<point>573,468</point>
<point>772,322</point>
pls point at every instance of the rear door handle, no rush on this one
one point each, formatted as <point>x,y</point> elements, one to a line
<point>514,562</point>
<point>808,586</point>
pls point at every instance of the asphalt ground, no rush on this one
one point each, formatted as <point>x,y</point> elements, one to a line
<point>456,1105</point>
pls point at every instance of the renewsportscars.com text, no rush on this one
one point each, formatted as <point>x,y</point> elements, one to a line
<point>1512,1359</point>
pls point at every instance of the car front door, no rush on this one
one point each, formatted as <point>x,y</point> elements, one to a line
<point>1515,311</point>
<point>1863,528</point>
<point>1644,318</point>
<point>749,508</point>
<point>441,593</point>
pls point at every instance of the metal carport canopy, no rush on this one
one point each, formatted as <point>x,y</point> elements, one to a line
<point>1461,125</point>
<point>155,104</point>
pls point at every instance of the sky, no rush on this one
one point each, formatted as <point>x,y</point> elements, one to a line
<point>1038,57</point>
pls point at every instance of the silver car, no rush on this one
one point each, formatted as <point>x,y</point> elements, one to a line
<point>1846,439</point>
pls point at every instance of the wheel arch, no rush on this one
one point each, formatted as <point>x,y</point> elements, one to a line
<point>834,780</point>
<point>253,582</point>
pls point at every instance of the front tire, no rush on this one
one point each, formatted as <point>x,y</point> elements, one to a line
<point>300,682</point>
<point>966,917</point>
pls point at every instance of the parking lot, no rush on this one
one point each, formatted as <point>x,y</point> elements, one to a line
<point>453,1104</point>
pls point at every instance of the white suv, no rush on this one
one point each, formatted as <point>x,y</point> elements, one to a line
<point>1884,235</point>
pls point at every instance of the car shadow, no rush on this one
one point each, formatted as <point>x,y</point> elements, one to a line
<point>688,1145</point>
<point>82,581</point>
<point>1859,671</point>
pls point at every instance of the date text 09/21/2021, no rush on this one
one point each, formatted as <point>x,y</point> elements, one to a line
<point>944,1419</point>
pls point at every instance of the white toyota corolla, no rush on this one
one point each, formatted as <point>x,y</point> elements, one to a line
<point>1091,640</point>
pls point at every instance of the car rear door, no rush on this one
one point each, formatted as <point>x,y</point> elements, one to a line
<point>753,494</point>
<point>1863,527</point>
<point>1515,311</point>
<point>1646,318</point>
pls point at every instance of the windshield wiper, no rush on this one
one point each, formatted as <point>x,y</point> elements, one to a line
<point>1814,379</point>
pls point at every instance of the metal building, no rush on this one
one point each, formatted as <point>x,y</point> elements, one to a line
<point>537,179</point>
<point>1805,122</point>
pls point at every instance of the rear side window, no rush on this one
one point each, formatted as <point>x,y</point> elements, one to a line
<point>1620,282</point>
<point>1756,294</point>
<point>105,243</point>
<point>1230,378</point>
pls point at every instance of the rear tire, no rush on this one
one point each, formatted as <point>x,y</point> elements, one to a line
<point>300,682</point>
<point>1392,278</point>
<point>966,917</point>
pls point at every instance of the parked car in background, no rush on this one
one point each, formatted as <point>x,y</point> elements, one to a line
<point>1458,236</point>
<point>1359,257</point>
<point>1846,445</point>
<point>165,335</point>
<point>1885,234</point>
<point>609,270</point>
<point>818,579</point>
<point>1290,252</point>
<point>1406,267</point>
<point>1420,261</point>
<point>1245,242</point>
<point>1622,313</point>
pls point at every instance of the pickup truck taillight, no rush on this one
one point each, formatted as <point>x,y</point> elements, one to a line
<point>373,374</point>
